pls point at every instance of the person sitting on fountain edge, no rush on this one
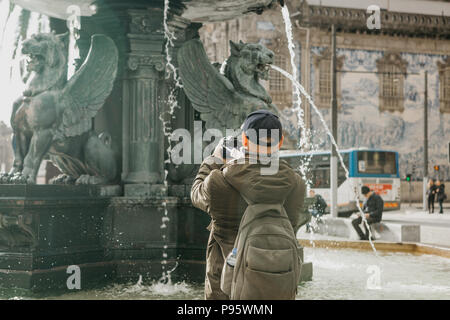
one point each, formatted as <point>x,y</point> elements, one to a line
<point>220,184</point>
<point>373,208</point>
<point>317,208</point>
<point>319,205</point>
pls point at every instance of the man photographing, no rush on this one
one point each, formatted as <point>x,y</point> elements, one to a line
<point>222,184</point>
<point>373,208</point>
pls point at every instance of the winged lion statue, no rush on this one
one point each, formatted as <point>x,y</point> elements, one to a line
<point>224,100</point>
<point>54,115</point>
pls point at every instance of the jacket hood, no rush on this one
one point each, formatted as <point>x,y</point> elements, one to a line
<point>259,188</point>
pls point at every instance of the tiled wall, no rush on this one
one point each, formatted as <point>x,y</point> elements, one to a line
<point>361,124</point>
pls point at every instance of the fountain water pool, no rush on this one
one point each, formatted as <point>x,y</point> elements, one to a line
<point>338,274</point>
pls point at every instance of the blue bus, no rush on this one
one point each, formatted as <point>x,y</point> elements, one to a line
<point>378,169</point>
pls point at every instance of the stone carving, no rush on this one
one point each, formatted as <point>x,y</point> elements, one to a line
<point>225,100</point>
<point>135,61</point>
<point>444,85</point>
<point>16,231</point>
<point>141,23</point>
<point>54,115</point>
<point>355,20</point>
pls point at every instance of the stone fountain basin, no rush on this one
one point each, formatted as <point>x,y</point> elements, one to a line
<point>195,10</point>
<point>344,273</point>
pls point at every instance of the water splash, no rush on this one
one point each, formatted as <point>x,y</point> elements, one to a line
<point>333,141</point>
<point>223,66</point>
<point>155,288</point>
<point>170,70</point>
<point>169,289</point>
<point>166,275</point>
<point>136,288</point>
<point>170,37</point>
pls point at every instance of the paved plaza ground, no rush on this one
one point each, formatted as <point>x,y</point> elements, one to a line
<point>434,228</point>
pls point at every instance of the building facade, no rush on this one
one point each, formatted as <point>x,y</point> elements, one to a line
<point>380,78</point>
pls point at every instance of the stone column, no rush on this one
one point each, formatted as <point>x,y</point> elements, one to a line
<point>146,88</point>
<point>143,147</point>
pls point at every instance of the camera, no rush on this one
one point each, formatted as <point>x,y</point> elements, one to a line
<point>230,147</point>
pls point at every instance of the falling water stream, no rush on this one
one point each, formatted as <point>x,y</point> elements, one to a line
<point>304,141</point>
<point>297,98</point>
<point>333,141</point>
<point>165,282</point>
<point>223,66</point>
<point>299,88</point>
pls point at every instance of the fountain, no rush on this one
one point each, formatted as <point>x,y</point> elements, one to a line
<point>141,225</point>
<point>133,217</point>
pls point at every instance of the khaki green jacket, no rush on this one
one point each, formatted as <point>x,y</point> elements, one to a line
<point>217,190</point>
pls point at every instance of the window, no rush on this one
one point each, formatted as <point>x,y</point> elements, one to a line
<point>444,85</point>
<point>279,86</point>
<point>391,82</point>
<point>320,177</point>
<point>318,171</point>
<point>322,79</point>
<point>392,71</point>
<point>325,81</point>
<point>374,162</point>
<point>277,82</point>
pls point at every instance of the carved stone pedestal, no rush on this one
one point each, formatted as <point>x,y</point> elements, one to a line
<point>46,228</point>
<point>144,233</point>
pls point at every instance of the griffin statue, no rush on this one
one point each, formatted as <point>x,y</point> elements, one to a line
<point>225,100</point>
<point>54,115</point>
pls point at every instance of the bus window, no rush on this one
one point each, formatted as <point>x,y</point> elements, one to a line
<point>320,177</point>
<point>376,162</point>
<point>318,168</point>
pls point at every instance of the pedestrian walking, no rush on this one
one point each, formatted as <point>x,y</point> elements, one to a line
<point>441,196</point>
<point>431,193</point>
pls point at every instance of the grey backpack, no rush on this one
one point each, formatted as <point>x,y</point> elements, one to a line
<point>267,265</point>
